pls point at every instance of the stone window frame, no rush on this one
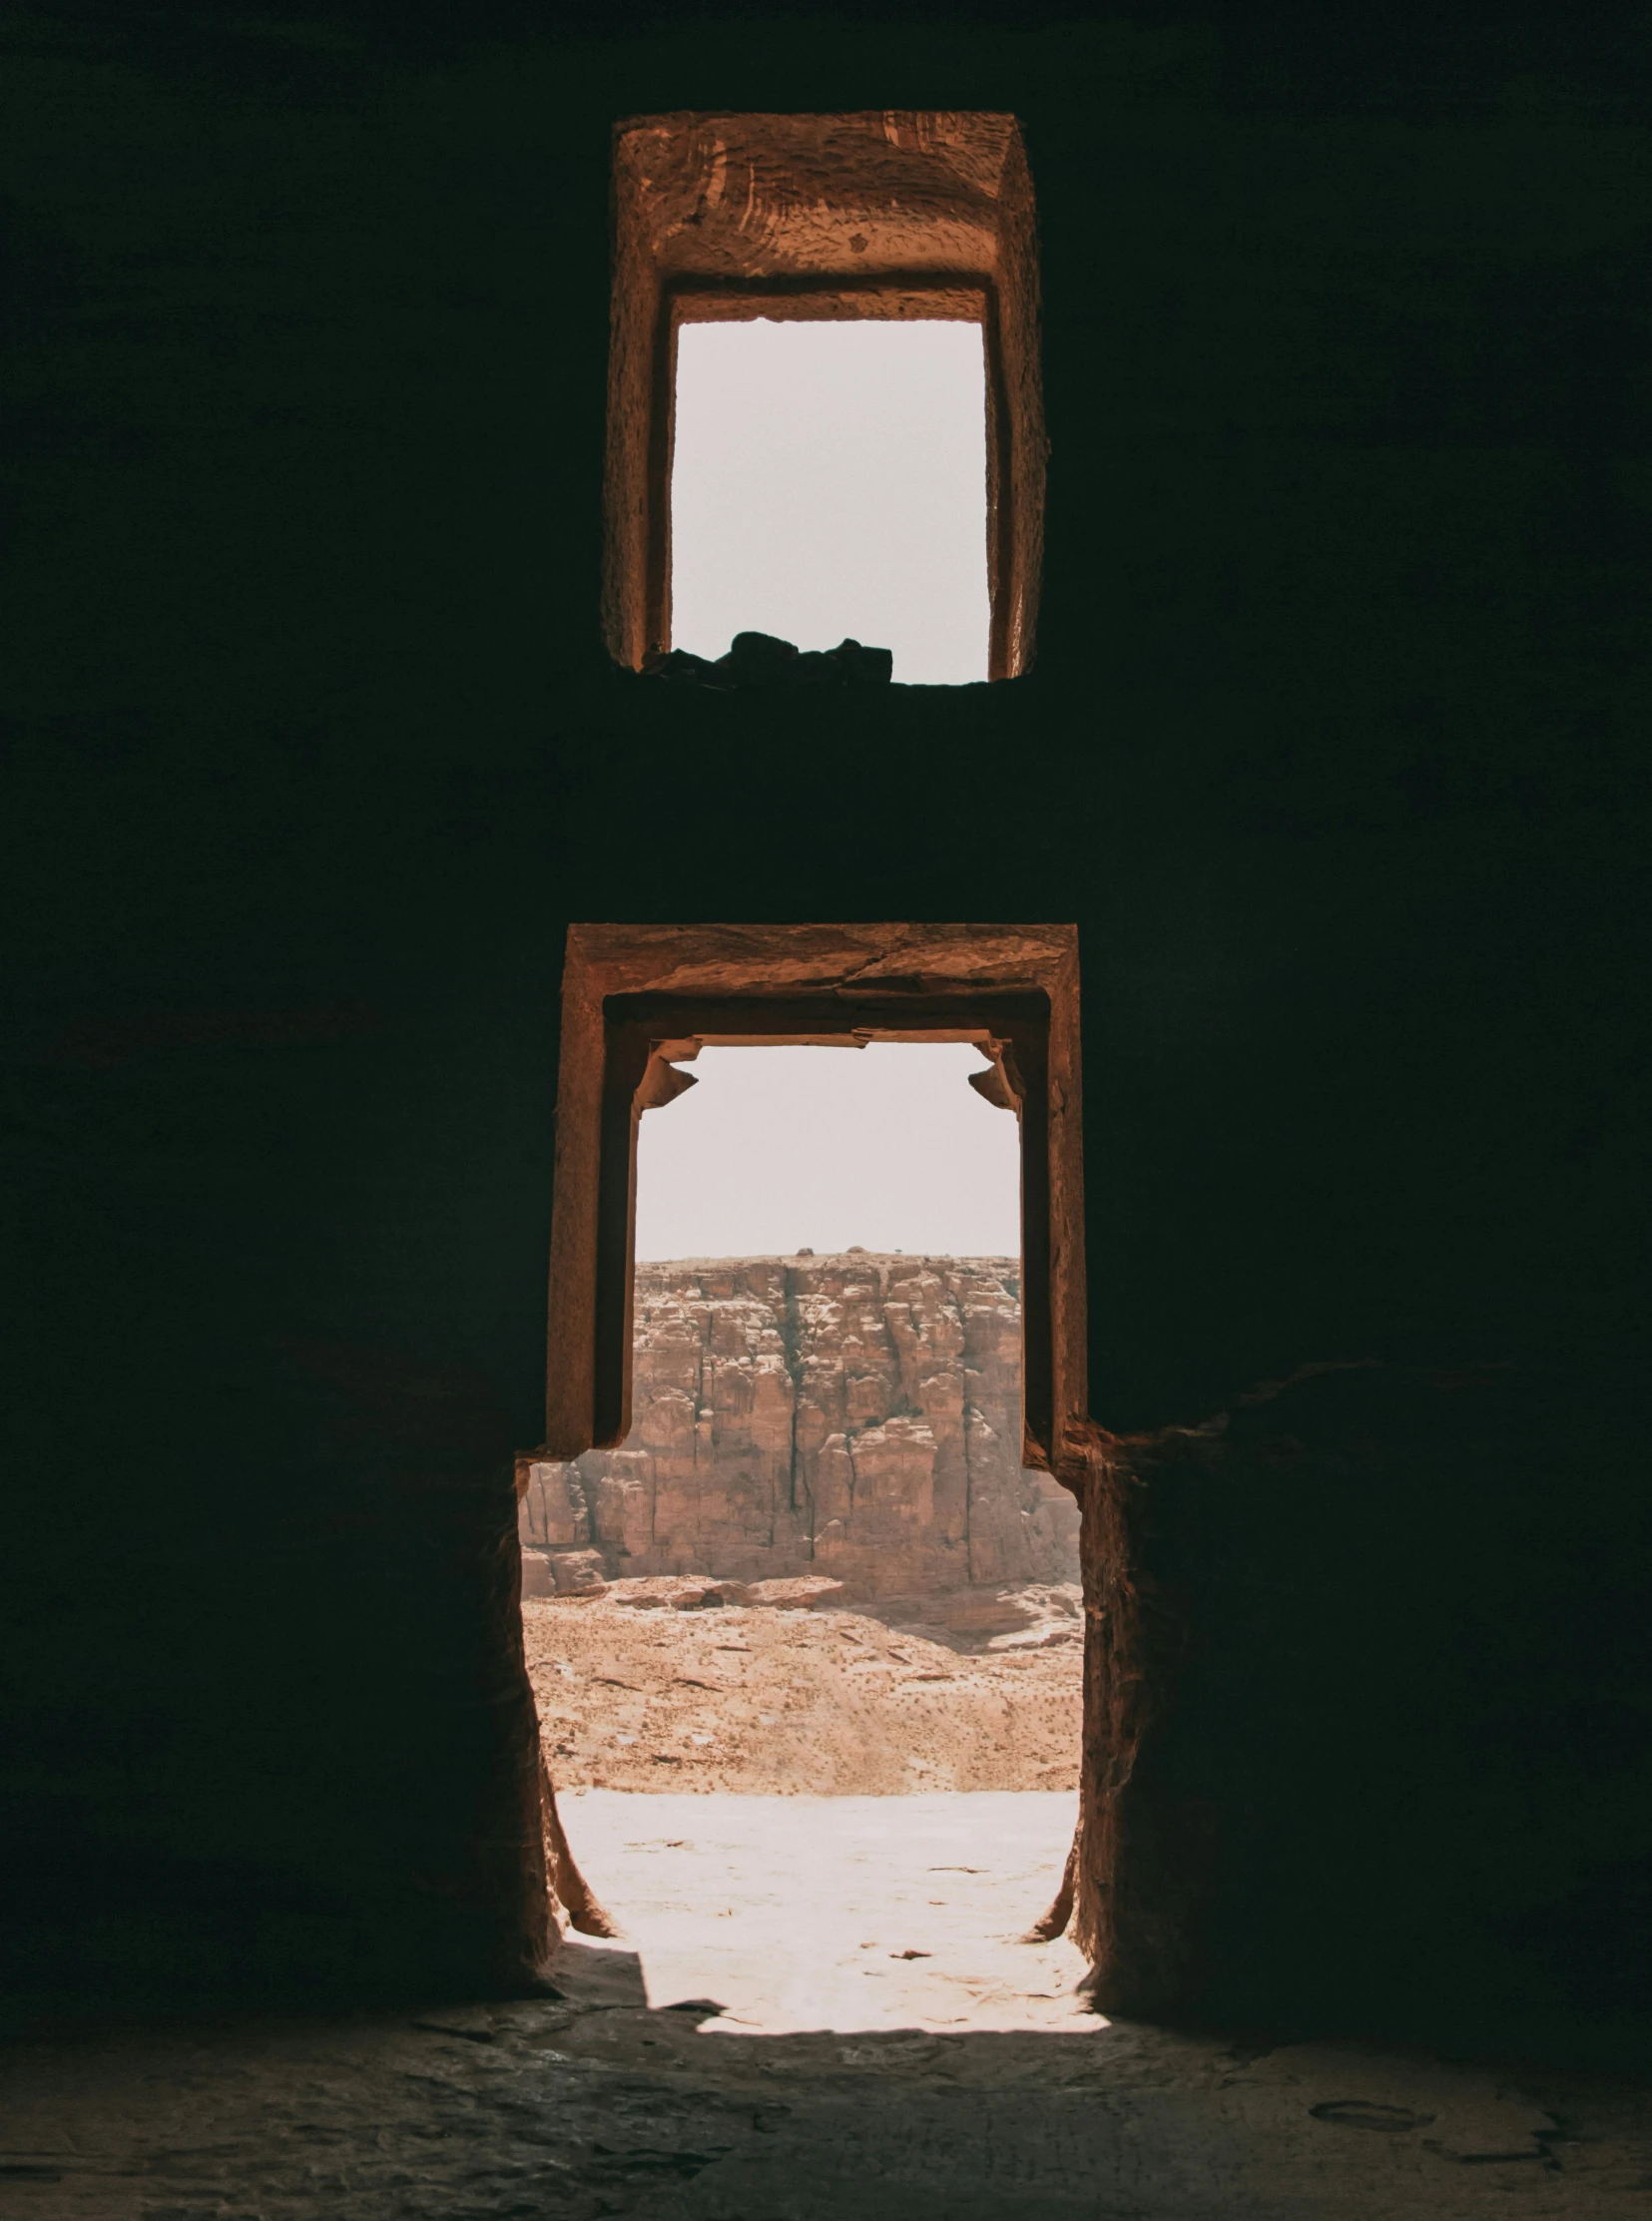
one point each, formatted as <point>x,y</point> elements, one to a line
<point>639,1000</point>
<point>882,214</point>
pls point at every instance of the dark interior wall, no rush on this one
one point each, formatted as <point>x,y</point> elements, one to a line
<point>1333,748</point>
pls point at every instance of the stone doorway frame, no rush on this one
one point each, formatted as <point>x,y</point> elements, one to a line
<point>637,1001</point>
<point>887,214</point>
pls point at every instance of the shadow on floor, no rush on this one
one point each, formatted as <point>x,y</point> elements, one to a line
<point>583,2102</point>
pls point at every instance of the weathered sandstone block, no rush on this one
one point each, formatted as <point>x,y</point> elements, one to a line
<point>578,1572</point>
<point>803,1593</point>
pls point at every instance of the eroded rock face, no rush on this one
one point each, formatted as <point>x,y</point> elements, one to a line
<point>856,1416</point>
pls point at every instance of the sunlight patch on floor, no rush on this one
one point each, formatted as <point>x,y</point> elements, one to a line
<point>839,1913</point>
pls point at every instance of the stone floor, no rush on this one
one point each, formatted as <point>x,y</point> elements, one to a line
<point>758,2048</point>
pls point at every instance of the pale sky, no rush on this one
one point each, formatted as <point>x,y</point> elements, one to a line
<point>828,482</point>
<point>777,1148</point>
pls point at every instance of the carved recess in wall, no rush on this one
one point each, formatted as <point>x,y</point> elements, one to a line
<point>885,213</point>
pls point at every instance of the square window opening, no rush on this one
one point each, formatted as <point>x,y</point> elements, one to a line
<point>830,483</point>
<point>825,345</point>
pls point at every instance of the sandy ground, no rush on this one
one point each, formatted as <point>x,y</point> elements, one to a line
<point>760,2047</point>
<point>843,1912</point>
<point>764,1702</point>
<point>587,2104</point>
<point>885,2048</point>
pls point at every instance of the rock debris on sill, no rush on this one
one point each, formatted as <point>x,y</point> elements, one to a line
<point>758,660</point>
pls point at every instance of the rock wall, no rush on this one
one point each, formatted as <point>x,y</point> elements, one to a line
<point>858,1415</point>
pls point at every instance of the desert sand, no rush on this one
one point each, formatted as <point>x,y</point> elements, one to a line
<point>785,1703</point>
<point>847,1912</point>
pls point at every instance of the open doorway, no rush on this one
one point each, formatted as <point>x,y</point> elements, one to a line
<point>814,1615</point>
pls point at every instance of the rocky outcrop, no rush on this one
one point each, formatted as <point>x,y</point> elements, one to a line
<point>855,1415</point>
<point>760,659</point>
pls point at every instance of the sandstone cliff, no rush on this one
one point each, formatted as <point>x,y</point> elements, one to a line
<point>856,1415</point>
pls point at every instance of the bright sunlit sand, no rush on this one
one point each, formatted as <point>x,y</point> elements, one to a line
<point>845,1913</point>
